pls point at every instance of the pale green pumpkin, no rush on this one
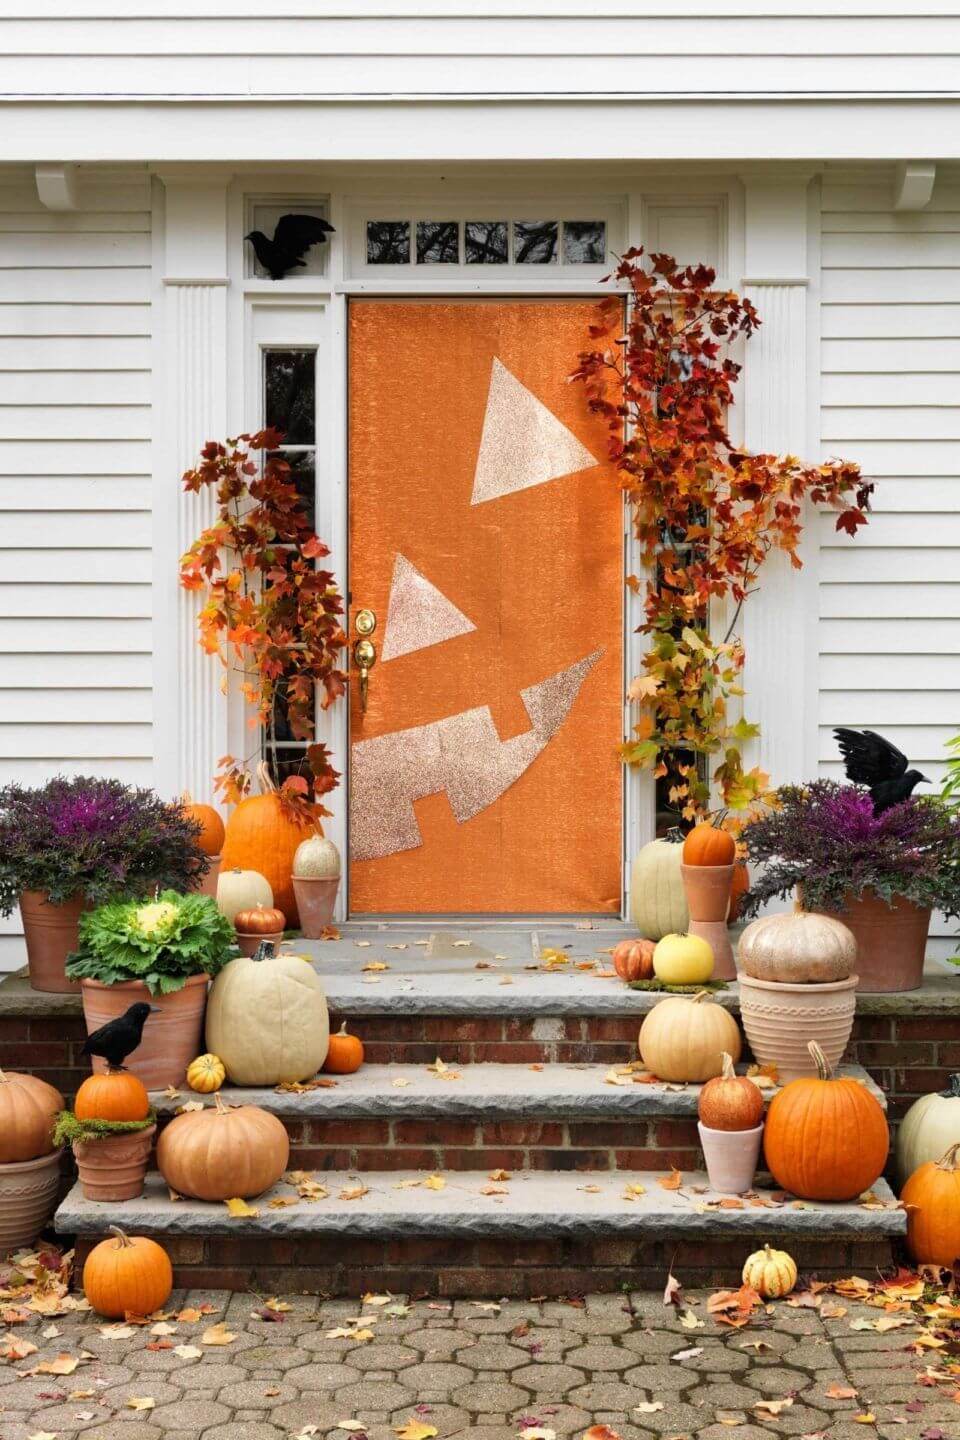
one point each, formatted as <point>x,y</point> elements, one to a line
<point>658,902</point>
<point>929,1128</point>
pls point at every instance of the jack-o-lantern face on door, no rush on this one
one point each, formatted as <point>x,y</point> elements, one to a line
<point>486,535</point>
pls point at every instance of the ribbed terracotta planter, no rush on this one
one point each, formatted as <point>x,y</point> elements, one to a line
<point>781,1020</point>
<point>171,1038</point>
<point>708,900</point>
<point>28,1198</point>
<point>731,1157</point>
<point>50,932</point>
<point>316,898</point>
<point>114,1167</point>
<point>891,941</point>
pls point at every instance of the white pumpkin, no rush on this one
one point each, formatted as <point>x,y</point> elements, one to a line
<point>268,1020</point>
<point>316,858</point>
<point>929,1128</point>
<point>242,890</point>
<point>658,901</point>
<point>684,1040</point>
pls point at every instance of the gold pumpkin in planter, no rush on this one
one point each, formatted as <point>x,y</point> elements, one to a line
<point>316,858</point>
<point>802,948</point>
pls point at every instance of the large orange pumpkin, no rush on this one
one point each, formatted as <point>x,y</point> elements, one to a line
<point>117,1095</point>
<point>932,1200</point>
<point>826,1137</point>
<point>223,1152</point>
<point>28,1108</point>
<point>211,826</point>
<point>708,844</point>
<point>128,1275</point>
<point>633,959</point>
<point>263,836</point>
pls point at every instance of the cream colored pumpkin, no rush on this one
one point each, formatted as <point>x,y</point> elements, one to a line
<point>802,948</point>
<point>683,960</point>
<point>929,1128</point>
<point>242,890</point>
<point>658,901</point>
<point>316,858</point>
<point>683,1040</point>
<point>770,1272</point>
<point>268,1020</point>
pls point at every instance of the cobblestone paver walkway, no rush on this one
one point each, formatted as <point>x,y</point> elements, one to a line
<point>464,1369</point>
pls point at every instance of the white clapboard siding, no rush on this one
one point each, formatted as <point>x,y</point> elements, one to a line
<point>889,626</point>
<point>75,489</point>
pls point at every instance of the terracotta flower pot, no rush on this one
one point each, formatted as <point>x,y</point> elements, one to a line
<point>316,898</point>
<point>250,944</point>
<point>891,941</point>
<point>708,900</point>
<point>171,1039</point>
<point>28,1198</point>
<point>208,885</point>
<point>781,1020</point>
<point>731,1157</point>
<point>51,933</point>
<point>114,1167</point>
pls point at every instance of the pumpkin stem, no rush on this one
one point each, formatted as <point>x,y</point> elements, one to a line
<point>343,1029</point>
<point>701,995</point>
<point>820,1060</point>
<point>266,950</point>
<point>952,1091</point>
<point>3,1078</point>
<point>267,786</point>
<point>950,1161</point>
<point>674,835</point>
<point>122,1237</point>
<point>729,1073</point>
<point>218,1101</point>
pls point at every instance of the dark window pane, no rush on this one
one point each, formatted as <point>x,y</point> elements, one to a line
<point>281,723</point>
<point>485,242</point>
<point>303,476</point>
<point>584,242</point>
<point>535,242</point>
<point>438,242</point>
<point>284,763</point>
<point>388,242</point>
<point>289,398</point>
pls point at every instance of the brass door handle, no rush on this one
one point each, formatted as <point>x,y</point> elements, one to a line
<point>364,652</point>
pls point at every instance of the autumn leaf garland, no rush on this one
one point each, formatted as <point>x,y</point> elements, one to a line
<point>706,514</point>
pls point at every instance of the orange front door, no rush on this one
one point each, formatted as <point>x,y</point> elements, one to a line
<point>486,535</point>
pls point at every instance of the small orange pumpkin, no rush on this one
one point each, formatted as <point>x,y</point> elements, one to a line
<point>730,1101</point>
<point>345,1053</point>
<point>708,844</point>
<point>212,831</point>
<point>739,885</point>
<point>128,1275</point>
<point>263,835</point>
<point>633,959</point>
<point>932,1200</point>
<point>261,920</point>
<point>826,1137</point>
<point>116,1095</point>
<point>28,1109</point>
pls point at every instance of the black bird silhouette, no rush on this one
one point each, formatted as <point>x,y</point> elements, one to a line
<point>871,760</point>
<point>119,1038</point>
<point>292,238</point>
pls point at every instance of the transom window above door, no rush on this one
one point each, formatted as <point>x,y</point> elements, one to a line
<point>486,242</point>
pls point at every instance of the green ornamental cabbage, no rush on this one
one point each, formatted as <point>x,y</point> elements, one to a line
<point>162,942</point>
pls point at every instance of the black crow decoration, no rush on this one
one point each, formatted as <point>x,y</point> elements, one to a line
<point>292,238</point>
<point>871,760</point>
<point>119,1038</point>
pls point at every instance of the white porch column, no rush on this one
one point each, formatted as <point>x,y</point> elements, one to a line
<point>779,622</point>
<point>191,710</point>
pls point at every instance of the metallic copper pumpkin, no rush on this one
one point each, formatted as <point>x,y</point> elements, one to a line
<point>261,920</point>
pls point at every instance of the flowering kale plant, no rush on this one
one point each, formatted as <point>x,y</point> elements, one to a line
<point>162,942</point>
<point>826,838</point>
<point>96,838</point>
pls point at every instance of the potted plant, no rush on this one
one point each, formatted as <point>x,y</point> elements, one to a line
<point>164,950</point>
<point>111,1155</point>
<point>75,843</point>
<point>798,983</point>
<point>880,875</point>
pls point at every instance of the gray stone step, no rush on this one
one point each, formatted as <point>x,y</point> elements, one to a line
<point>534,1204</point>
<point>482,1091</point>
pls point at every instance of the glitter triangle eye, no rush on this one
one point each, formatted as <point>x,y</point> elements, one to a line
<point>418,614</point>
<point>523,443</point>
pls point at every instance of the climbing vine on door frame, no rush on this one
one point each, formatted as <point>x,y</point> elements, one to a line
<point>706,513</point>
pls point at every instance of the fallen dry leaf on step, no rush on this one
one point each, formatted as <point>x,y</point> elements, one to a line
<point>376,965</point>
<point>187,1352</point>
<point>52,1333</point>
<point>633,1192</point>
<point>13,1349</point>
<point>217,1335</point>
<point>329,932</point>
<point>117,1332</point>
<point>648,1407</point>
<point>499,1175</point>
<point>281,1202</point>
<point>601,1432</point>
<point>441,1071</point>
<point>171,1093</point>
<point>730,1417</point>
<point>761,1346</point>
<point>163,1327</point>
<point>841,1392</point>
<point>690,1354</point>
<point>773,1407</point>
<point>141,1402</point>
<point>865,1419</point>
<point>356,1193</point>
<point>494,1190</point>
<point>63,1364</point>
<point>355,1427</point>
<point>400,1083</point>
<point>434,1182</point>
<point>673,1181</point>
<point>240,1210</point>
<point>689,1321</point>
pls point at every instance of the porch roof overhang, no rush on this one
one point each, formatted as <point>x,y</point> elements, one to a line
<point>284,129</point>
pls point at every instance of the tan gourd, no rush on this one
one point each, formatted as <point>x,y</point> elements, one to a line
<point>772,1273</point>
<point>28,1108</point>
<point>801,948</point>
<point>684,1040</point>
<point>267,1020</point>
<point>316,858</point>
<point>658,901</point>
<point>223,1153</point>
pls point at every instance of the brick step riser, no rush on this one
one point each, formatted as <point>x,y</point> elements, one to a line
<point>469,1268</point>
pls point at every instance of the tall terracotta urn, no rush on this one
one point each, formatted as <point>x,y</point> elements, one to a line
<point>708,900</point>
<point>50,932</point>
<point>171,1038</point>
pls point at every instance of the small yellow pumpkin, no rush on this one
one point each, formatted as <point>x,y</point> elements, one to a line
<point>206,1074</point>
<point>772,1273</point>
<point>683,960</point>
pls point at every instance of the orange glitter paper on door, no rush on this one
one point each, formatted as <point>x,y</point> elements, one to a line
<point>486,535</point>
